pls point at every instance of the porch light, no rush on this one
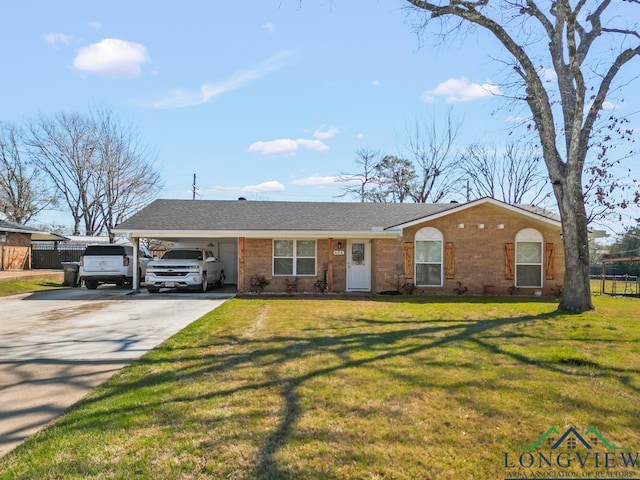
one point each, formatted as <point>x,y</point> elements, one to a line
<point>339,245</point>
<point>3,237</point>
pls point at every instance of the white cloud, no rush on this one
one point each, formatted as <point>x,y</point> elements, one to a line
<point>286,146</point>
<point>264,187</point>
<point>323,133</point>
<point>58,38</point>
<point>360,136</point>
<point>547,74</point>
<point>271,186</point>
<point>282,146</point>
<point>208,91</point>
<point>461,90</point>
<point>316,181</point>
<point>376,83</point>
<point>94,24</point>
<point>315,145</point>
<point>112,57</point>
<point>268,27</point>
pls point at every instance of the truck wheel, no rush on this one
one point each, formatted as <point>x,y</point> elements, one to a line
<point>152,290</point>
<point>91,284</point>
<point>221,280</point>
<point>205,283</point>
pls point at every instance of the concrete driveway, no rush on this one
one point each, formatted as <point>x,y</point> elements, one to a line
<point>56,346</point>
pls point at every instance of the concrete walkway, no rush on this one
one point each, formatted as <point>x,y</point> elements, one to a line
<point>56,346</point>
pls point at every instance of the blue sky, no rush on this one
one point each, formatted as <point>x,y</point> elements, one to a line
<point>265,99</point>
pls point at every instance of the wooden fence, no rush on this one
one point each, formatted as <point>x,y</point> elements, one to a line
<point>15,258</point>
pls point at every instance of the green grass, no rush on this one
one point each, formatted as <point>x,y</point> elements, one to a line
<point>619,287</point>
<point>15,287</point>
<point>400,387</point>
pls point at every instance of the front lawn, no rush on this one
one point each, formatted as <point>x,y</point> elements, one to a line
<point>28,285</point>
<point>394,387</point>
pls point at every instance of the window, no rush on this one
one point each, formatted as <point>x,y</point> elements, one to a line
<point>428,257</point>
<point>294,257</point>
<point>529,258</point>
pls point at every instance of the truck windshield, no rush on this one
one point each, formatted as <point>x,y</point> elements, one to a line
<point>182,255</point>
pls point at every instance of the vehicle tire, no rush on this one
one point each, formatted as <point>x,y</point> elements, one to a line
<point>152,290</point>
<point>221,279</point>
<point>205,283</point>
<point>91,284</point>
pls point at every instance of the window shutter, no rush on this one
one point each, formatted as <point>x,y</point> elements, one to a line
<point>408,260</point>
<point>509,261</point>
<point>549,257</point>
<point>448,260</point>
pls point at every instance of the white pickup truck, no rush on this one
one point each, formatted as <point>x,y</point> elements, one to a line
<point>191,268</point>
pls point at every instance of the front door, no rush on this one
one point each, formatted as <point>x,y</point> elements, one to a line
<point>358,265</point>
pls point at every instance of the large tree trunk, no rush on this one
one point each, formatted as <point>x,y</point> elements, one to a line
<point>577,291</point>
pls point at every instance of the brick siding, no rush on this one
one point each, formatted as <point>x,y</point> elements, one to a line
<point>478,256</point>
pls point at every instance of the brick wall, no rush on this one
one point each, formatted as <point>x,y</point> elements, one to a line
<point>479,253</point>
<point>387,259</point>
<point>259,261</point>
<point>478,256</point>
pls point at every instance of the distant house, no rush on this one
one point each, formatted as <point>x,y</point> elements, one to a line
<point>483,246</point>
<point>15,244</point>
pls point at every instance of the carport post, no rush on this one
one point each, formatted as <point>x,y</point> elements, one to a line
<point>136,262</point>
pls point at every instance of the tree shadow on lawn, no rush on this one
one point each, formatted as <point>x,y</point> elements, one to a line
<point>273,352</point>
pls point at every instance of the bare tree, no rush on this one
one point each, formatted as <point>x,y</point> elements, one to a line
<point>570,39</point>
<point>363,183</point>
<point>430,147</point>
<point>62,147</point>
<point>513,174</point>
<point>23,190</point>
<point>395,177</point>
<point>125,179</point>
<point>98,166</point>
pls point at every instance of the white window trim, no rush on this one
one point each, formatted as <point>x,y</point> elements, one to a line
<point>294,257</point>
<point>530,235</point>
<point>428,234</point>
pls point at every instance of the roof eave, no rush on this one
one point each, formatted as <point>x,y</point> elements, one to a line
<point>150,233</point>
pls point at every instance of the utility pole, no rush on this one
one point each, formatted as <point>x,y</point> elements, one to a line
<point>194,186</point>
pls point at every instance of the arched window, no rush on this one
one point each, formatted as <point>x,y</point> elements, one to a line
<point>529,258</point>
<point>428,257</point>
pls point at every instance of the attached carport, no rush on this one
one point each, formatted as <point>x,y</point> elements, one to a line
<point>223,247</point>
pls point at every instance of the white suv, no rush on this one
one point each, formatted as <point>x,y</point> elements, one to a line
<point>111,263</point>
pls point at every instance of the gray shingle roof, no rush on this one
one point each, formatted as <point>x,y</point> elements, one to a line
<point>234,215</point>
